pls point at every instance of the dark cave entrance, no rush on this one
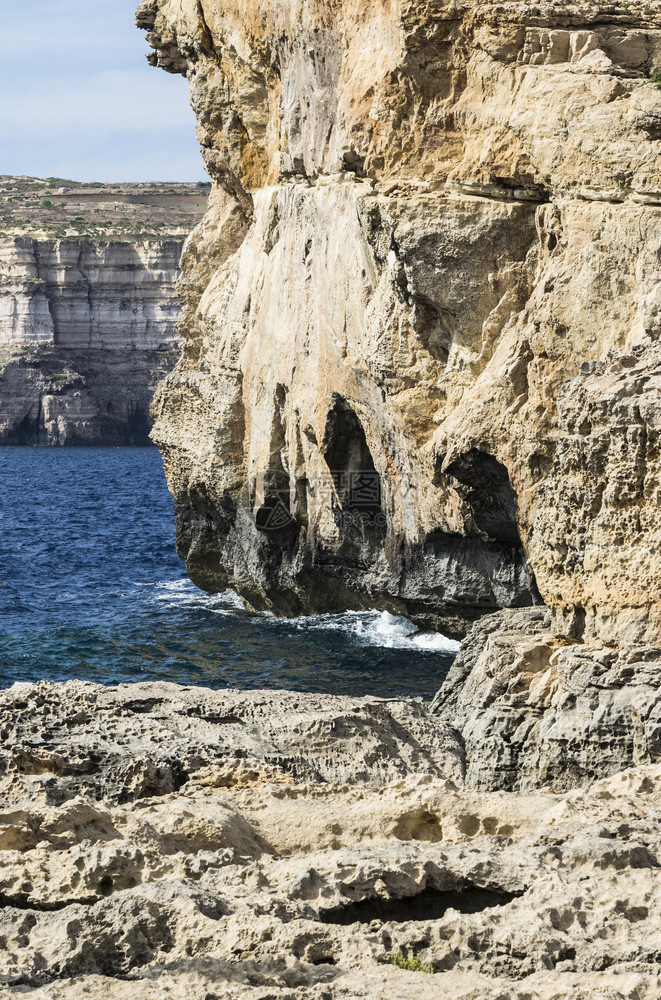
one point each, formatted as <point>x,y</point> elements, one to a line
<point>485,486</point>
<point>347,455</point>
<point>275,517</point>
<point>492,568</point>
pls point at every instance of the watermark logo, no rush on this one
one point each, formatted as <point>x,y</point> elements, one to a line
<point>354,497</point>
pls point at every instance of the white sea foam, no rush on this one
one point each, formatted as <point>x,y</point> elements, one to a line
<point>184,593</point>
<point>380,628</point>
<point>368,628</point>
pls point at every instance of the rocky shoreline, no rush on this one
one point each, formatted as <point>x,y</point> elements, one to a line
<point>161,841</point>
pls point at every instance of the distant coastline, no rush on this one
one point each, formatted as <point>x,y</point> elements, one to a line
<point>88,306</point>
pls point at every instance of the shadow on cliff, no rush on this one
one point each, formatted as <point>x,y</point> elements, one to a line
<point>54,396</point>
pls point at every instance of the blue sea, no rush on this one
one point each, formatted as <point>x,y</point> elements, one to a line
<point>92,588</point>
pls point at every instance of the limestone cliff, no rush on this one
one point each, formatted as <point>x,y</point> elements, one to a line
<point>84,295</point>
<point>50,396</point>
<point>88,306</point>
<point>421,313</point>
<point>86,332</point>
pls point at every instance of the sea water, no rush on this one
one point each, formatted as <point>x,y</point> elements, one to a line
<point>92,588</point>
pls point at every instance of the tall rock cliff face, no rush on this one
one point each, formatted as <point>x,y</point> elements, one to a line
<point>87,329</point>
<point>421,314</point>
<point>88,305</point>
<point>79,294</point>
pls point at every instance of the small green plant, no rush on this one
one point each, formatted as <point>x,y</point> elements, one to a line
<point>655,78</point>
<point>410,964</point>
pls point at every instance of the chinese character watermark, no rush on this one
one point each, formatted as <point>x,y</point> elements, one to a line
<point>353,496</point>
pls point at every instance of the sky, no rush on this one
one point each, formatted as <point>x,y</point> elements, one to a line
<point>79,101</point>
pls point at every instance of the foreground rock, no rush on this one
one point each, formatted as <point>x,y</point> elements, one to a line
<point>535,710</point>
<point>421,313</point>
<point>158,841</point>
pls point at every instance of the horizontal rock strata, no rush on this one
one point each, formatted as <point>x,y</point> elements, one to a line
<point>87,330</point>
<point>159,841</point>
<point>88,306</point>
<point>421,312</point>
<point>83,295</point>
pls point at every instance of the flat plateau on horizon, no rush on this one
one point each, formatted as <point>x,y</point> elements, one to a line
<point>55,208</point>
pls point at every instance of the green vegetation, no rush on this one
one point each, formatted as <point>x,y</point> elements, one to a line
<point>410,964</point>
<point>655,78</point>
<point>60,379</point>
<point>55,208</point>
<point>30,351</point>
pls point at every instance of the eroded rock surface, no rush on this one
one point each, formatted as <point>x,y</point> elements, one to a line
<point>421,312</point>
<point>88,306</point>
<point>533,709</point>
<point>90,397</point>
<point>158,841</point>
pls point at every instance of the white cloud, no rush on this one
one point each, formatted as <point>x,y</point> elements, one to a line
<point>79,100</point>
<point>116,99</point>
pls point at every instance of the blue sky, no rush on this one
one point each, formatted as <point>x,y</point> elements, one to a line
<point>78,99</point>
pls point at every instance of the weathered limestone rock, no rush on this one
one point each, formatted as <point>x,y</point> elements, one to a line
<point>535,710</point>
<point>87,330</point>
<point>89,296</point>
<point>158,841</point>
<point>314,737</point>
<point>421,313</point>
<point>53,396</point>
<point>88,305</point>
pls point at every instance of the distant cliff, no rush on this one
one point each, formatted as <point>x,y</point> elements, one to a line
<point>88,309</point>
